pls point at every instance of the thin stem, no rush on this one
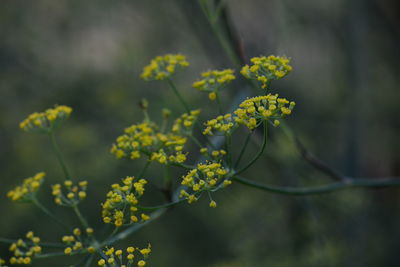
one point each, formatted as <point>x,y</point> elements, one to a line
<point>257,156</point>
<point>59,155</point>
<point>196,141</point>
<point>166,205</point>
<point>219,105</point>
<point>246,142</point>
<point>48,213</point>
<point>80,217</point>
<point>183,102</point>
<point>89,261</point>
<point>228,150</point>
<point>146,166</point>
<point>42,244</point>
<point>315,190</point>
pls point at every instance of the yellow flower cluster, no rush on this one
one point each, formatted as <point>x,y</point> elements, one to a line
<point>115,258</point>
<point>223,124</point>
<point>47,120</point>
<point>2,262</point>
<point>259,108</point>
<point>206,177</point>
<point>25,250</point>
<point>76,242</point>
<point>214,154</point>
<point>73,195</point>
<point>265,69</point>
<point>26,191</point>
<point>163,67</point>
<point>120,206</point>
<point>146,138</point>
<point>214,80</point>
<point>184,124</point>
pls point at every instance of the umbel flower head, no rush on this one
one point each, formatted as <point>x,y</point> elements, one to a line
<point>25,250</point>
<point>74,193</point>
<point>221,124</point>
<point>78,241</point>
<point>116,258</point>
<point>148,139</point>
<point>46,121</point>
<point>213,81</point>
<point>163,67</point>
<point>120,206</point>
<point>265,69</point>
<point>206,177</point>
<point>261,108</point>
<point>26,191</point>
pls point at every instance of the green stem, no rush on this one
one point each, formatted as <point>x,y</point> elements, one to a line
<point>228,150</point>
<point>315,190</point>
<point>166,205</point>
<point>89,261</point>
<point>219,105</point>
<point>257,156</point>
<point>80,217</point>
<point>196,141</point>
<point>146,166</point>
<point>59,155</point>
<point>183,102</point>
<point>48,213</point>
<point>246,143</point>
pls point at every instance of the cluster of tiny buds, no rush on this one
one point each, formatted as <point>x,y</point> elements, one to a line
<point>24,251</point>
<point>206,177</point>
<point>2,262</point>
<point>265,69</point>
<point>47,120</point>
<point>215,154</point>
<point>26,191</point>
<point>121,204</point>
<point>115,258</point>
<point>163,67</point>
<point>213,81</point>
<point>74,194</point>
<point>77,242</point>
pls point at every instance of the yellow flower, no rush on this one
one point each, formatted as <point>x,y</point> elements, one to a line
<point>73,193</point>
<point>266,69</point>
<point>163,67</point>
<point>27,189</point>
<point>269,107</point>
<point>121,202</point>
<point>24,250</point>
<point>47,120</point>
<point>111,255</point>
<point>206,177</point>
<point>213,81</point>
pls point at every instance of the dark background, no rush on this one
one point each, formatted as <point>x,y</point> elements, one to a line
<point>89,55</point>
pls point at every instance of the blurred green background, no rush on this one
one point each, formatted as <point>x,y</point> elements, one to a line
<point>89,55</point>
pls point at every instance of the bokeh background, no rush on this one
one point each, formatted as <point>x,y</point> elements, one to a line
<point>89,55</point>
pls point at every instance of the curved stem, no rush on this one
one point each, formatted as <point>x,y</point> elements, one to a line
<point>80,217</point>
<point>59,155</point>
<point>48,213</point>
<point>144,169</point>
<point>183,102</point>
<point>246,142</point>
<point>166,205</point>
<point>315,190</point>
<point>219,105</point>
<point>196,141</point>
<point>42,244</point>
<point>257,156</point>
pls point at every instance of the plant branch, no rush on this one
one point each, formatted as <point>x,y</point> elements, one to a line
<point>315,190</point>
<point>59,155</point>
<point>257,156</point>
